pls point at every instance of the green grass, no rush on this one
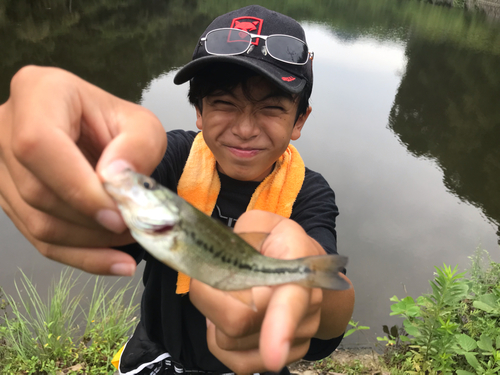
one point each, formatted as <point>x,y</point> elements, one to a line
<point>453,330</point>
<point>40,336</point>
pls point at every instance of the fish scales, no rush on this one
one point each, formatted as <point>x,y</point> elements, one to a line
<point>222,248</point>
<point>187,240</point>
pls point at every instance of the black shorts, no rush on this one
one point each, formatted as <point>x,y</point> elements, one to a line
<point>141,356</point>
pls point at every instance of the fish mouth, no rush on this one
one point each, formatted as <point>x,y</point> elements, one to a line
<point>160,229</point>
<point>150,226</point>
<point>153,228</point>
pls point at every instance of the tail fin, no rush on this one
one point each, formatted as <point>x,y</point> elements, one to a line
<point>325,272</point>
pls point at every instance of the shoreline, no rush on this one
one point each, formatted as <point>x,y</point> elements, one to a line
<point>366,358</point>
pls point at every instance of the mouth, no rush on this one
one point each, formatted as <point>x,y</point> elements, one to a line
<point>244,152</point>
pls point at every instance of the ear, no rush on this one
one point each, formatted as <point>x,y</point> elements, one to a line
<point>299,124</point>
<point>199,119</point>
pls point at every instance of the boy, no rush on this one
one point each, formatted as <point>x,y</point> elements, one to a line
<point>251,95</point>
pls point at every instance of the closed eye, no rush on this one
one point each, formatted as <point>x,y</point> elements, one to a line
<point>273,110</point>
<point>222,102</point>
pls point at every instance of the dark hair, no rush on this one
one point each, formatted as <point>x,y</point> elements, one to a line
<point>226,77</point>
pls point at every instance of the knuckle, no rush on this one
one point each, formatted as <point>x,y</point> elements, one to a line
<point>25,74</point>
<point>78,197</point>
<point>34,194</point>
<point>224,342</point>
<point>24,143</point>
<point>32,73</point>
<point>41,229</point>
<point>237,325</point>
<point>47,251</point>
<point>316,299</point>
<point>88,265</point>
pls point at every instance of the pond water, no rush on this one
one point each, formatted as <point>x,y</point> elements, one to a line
<point>405,123</point>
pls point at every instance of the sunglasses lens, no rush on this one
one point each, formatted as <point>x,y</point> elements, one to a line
<point>227,41</point>
<point>287,49</point>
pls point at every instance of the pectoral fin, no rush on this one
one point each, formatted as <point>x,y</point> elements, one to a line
<point>244,296</point>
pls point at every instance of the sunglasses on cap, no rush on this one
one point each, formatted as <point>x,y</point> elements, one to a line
<point>284,48</point>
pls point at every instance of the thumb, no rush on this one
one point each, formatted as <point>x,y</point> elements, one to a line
<point>139,143</point>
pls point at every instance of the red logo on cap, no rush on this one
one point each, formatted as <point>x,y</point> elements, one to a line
<point>288,79</point>
<point>249,24</point>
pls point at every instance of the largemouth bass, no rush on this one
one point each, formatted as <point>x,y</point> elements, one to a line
<point>187,240</point>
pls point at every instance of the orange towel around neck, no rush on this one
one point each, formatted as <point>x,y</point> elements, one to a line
<point>200,186</point>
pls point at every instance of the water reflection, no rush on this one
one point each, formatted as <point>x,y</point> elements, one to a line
<point>397,219</point>
<point>404,114</point>
<point>447,109</point>
<point>120,46</point>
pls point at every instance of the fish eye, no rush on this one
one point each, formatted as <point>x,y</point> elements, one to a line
<point>150,185</point>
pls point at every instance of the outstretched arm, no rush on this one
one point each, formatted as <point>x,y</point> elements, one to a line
<point>58,133</point>
<point>287,316</point>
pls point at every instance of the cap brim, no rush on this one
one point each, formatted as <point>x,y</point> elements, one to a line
<point>283,79</point>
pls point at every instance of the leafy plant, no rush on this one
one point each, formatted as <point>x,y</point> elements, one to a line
<point>454,329</point>
<point>355,327</point>
<point>44,337</point>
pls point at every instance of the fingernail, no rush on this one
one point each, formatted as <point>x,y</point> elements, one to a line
<point>111,220</point>
<point>115,167</point>
<point>209,323</point>
<point>122,269</point>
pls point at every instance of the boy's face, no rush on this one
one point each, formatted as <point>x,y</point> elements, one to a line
<point>248,136</point>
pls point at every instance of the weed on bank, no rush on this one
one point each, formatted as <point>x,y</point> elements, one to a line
<point>40,336</point>
<point>453,330</point>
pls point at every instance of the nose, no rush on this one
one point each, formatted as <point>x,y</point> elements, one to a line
<point>245,127</point>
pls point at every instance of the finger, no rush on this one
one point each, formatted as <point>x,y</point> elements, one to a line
<point>40,197</point>
<point>31,190</point>
<point>148,142</point>
<point>231,315</point>
<point>304,333</point>
<point>306,329</point>
<point>47,228</point>
<point>286,309</point>
<point>249,361</point>
<point>257,221</point>
<point>228,343</point>
<point>98,261</point>
<point>89,122</point>
<point>46,144</point>
<point>233,318</point>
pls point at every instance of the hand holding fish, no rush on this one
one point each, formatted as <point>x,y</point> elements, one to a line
<point>287,316</point>
<point>56,131</point>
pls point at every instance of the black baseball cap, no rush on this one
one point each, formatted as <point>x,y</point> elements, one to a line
<point>256,20</point>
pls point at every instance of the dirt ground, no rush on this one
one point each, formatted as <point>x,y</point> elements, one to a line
<point>367,357</point>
